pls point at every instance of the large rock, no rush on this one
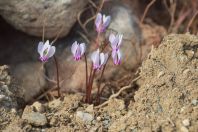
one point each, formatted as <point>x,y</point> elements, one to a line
<point>28,15</point>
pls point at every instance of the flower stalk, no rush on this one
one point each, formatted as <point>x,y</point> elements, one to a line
<point>98,58</point>
<point>57,76</point>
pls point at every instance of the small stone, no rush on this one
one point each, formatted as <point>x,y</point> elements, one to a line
<point>184,129</point>
<point>13,110</point>
<point>85,117</point>
<point>182,109</point>
<point>98,118</point>
<point>194,102</point>
<point>27,128</point>
<point>35,118</point>
<point>2,97</point>
<point>186,122</point>
<point>70,116</point>
<point>161,74</point>
<point>89,109</point>
<point>38,107</point>
<point>190,53</point>
<point>106,123</point>
<point>186,71</point>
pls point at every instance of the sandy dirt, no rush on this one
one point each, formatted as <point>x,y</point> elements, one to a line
<point>166,99</point>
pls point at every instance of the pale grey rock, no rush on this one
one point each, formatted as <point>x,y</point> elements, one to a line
<point>2,97</point>
<point>186,122</point>
<point>83,116</point>
<point>28,15</point>
<point>38,107</point>
<point>35,118</point>
<point>194,102</point>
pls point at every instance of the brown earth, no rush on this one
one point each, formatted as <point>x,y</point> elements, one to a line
<point>167,98</point>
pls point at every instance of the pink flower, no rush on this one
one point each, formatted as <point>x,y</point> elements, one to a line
<point>116,55</point>
<point>102,22</point>
<point>45,50</point>
<point>78,50</point>
<point>115,41</point>
<point>98,59</point>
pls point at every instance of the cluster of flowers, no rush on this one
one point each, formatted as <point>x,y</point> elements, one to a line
<point>98,58</point>
<point>78,49</point>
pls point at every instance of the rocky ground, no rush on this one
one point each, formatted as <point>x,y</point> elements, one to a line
<point>166,100</point>
<point>154,88</point>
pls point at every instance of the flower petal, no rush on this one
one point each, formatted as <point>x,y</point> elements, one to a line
<point>95,58</point>
<point>51,52</point>
<point>74,48</point>
<point>82,48</point>
<point>46,45</point>
<point>114,40</point>
<point>40,47</point>
<point>119,55</point>
<point>98,20</point>
<point>116,55</point>
<point>106,57</point>
<point>111,37</point>
<point>120,40</point>
<point>102,58</point>
<point>106,21</point>
<point>113,54</point>
<point>45,48</point>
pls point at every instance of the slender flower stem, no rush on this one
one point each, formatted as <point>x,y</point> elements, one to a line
<point>97,40</point>
<point>90,87</point>
<point>90,75</point>
<point>43,36</point>
<point>98,92</point>
<point>57,75</point>
<point>88,84</point>
<point>86,69</point>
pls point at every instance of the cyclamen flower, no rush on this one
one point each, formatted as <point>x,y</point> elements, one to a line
<point>116,55</point>
<point>102,22</point>
<point>45,50</point>
<point>115,41</point>
<point>78,50</point>
<point>98,59</point>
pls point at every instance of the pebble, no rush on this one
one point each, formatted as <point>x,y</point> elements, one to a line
<point>161,74</point>
<point>186,71</point>
<point>184,129</point>
<point>98,118</point>
<point>35,118</point>
<point>2,97</point>
<point>13,110</point>
<point>38,107</point>
<point>85,117</point>
<point>186,122</point>
<point>89,108</point>
<point>194,102</point>
<point>106,123</point>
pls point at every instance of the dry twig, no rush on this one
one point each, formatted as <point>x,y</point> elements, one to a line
<point>191,21</point>
<point>118,93</point>
<point>171,10</point>
<point>146,10</point>
<point>84,25</point>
